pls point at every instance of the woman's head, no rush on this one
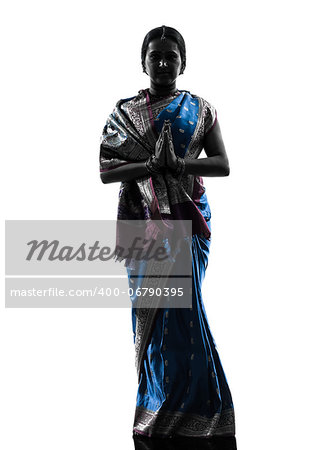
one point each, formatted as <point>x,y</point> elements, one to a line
<point>163,35</point>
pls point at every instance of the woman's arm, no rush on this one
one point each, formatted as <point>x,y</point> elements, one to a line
<point>216,164</point>
<point>125,173</point>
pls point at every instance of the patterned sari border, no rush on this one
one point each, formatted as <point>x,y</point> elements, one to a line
<point>174,423</point>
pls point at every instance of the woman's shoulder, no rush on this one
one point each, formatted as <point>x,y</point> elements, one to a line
<point>199,97</point>
<point>127,103</point>
<point>127,99</point>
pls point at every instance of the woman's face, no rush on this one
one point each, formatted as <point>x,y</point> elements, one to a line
<point>163,61</point>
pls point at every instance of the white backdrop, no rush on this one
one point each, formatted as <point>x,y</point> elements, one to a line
<point>68,375</point>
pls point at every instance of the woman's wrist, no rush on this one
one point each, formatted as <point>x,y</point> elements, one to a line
<point>176,166</point>
<point>179,167</point>
<point>153,165</point>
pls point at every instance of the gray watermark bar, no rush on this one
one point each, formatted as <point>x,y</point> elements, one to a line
<point>88,263</point>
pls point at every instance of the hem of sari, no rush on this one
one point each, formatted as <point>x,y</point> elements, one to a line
<point>170,424</point>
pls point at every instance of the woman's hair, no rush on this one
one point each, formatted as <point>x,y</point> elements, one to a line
<point>164,32</point>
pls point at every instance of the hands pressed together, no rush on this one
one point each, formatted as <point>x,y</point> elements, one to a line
<point>164,160</point>
<point>164,157</point>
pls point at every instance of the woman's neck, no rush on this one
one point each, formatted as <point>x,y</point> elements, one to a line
<point>162,90</point>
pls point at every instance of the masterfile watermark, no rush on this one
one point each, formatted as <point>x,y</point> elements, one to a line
<point>139,249</point>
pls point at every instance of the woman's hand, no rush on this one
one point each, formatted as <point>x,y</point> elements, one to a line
<point>159,152</point>
<point>171,159</point>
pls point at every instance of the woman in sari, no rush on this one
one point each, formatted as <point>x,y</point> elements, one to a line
<point>151,143</point>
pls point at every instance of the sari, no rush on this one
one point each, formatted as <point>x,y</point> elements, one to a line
<point>182,387</point>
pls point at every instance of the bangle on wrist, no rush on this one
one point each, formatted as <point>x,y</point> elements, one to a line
<point>180,167</point>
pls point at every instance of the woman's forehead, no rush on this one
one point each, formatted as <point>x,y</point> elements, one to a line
<point>162,45</point>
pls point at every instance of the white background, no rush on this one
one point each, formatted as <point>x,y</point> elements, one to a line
<point>68,375</point>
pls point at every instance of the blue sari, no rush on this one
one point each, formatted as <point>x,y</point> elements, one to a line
<point>183,390</point>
